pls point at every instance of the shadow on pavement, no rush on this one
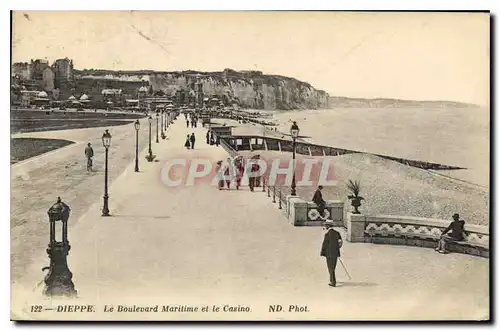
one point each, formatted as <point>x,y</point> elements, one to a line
<point>140,216</point>
<point>356,284</point>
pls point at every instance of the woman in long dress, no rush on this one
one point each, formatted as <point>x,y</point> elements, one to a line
<point>239,171</point>
<point>218,173</point>
<point>187,144</point>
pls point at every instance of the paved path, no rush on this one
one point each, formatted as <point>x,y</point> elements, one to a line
<point>199,246</point>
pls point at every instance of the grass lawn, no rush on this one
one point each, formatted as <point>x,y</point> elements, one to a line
<point>24,148</point>
<point>36,120</point>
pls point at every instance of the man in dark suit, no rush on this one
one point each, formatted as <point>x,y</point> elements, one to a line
<point>192,139</point>
<point>331,250</point>
<point>457,233</point>
<point>318,200</point>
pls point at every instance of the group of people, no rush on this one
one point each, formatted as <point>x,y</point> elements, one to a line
<point>190,140</point>
<point>333,242</point>
<point>193,120</point>
<point>225,175</point>
<point>212,139</point>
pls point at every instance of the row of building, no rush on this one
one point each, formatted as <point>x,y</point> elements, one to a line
<point>37,84</point>
<point>39,73</point>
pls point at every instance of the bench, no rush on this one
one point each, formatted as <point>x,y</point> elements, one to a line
<point>413,231</point>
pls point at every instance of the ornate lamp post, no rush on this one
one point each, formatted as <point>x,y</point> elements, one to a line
<point>294,132</point>
<point>137,126</point>
<point>58,281</point>
<point>106,142</point>
<point>157,124</point>
<point>150,156</point>
<point>163,136</point>
<point>164,123</point>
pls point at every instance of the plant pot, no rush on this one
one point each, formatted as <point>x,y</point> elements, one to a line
<point>356,203</point>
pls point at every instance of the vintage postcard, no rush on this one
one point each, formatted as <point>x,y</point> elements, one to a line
<point>264,166</point>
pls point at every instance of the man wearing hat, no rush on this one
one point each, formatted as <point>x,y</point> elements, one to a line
<point>318,200</point>
<point>457,233</point>
<point>331,250</point>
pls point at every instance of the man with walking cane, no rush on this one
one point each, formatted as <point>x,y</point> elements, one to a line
<point>331,250</point>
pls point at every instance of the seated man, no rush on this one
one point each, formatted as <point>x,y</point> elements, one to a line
<point>456,234</point>
<point>318,200</point>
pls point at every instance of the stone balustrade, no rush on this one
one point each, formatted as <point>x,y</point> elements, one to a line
<point>305,213</point>
<point>414,231</point>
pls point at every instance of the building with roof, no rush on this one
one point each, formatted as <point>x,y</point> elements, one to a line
<point>63,71</point>
<point>37,68</point>
<point>47,79</point>
<point>22,70</point>
<point>112,97</point>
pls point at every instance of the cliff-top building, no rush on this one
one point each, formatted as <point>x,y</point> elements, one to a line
<point>63,70</point>
<point>22,70</point>
<point>37,68</point>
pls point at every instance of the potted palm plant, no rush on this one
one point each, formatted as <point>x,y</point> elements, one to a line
<point>354,188</point>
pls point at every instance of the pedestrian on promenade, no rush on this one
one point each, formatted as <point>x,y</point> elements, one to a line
<point>187,144</point>
<point>252,179</point>
<point>240,169</point>
<point>330,249</point>
<point>89,154</point>
<point>208,137</point>
<point>187,123</point>
<point>192,139</point>
<point>217,141</point>
<point>218,173</point>
<point>457,233</point>
<point>227,173</point>
<point>320,203</point>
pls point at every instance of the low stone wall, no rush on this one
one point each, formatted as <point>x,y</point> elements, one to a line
<point>305,213</point>
<point>414,231</point>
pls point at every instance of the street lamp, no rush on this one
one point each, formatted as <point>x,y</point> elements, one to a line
<point>137,126</point>
<point>150,156</point>
<point>164,122</point>
<point>58,281</point>
<point>163,136</point>
<point>157,123</point>
<point>106,142</point>
<point>294,132</point>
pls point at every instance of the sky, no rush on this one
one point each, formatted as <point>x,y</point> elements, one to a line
<point>419,56</point>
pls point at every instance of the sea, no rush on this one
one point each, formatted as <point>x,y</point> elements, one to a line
<point>450,136</point>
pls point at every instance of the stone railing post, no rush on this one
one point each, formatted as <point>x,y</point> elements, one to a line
<point>298,211</point>
<point>356,227</point>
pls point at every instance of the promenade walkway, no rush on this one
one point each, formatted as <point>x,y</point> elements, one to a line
<point>200,246</point>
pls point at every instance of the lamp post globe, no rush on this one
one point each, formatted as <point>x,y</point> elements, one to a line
<point>106,142</point>
<point>106,139</point>
<point>294,132</point>
<point>137,126</point>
